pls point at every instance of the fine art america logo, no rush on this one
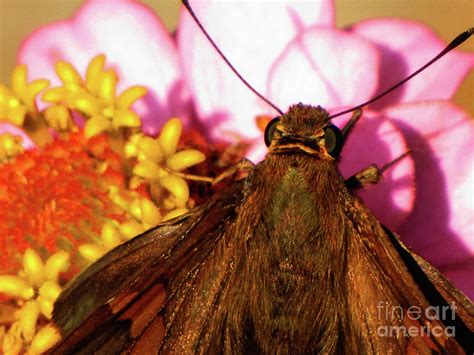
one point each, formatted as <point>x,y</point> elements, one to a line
<point>415,321</point>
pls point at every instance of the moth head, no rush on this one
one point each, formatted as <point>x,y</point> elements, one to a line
<point>304,129</point>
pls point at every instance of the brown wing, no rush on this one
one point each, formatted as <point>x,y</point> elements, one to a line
<point>400,302</point>
<point>115,304</point>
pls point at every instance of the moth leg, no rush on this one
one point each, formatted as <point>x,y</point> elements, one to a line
<point>244,166</point>
<point>349,125</point>
<point>193,177</point>
<point>371,175</point>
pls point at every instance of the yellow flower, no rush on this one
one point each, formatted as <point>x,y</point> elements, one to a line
<point>10,146</point>
<point>36,287</point>
<point>95,97</point>
<point>20,100</point>
<point>159,162</point>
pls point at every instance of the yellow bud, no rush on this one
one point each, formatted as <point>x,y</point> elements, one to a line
<point>185,159</point>
<point>151,149</point>
<point>94,71</point>
<point>136,209</point>
<point>176,185</point>
<point>57,263</point>
<point>96,125</point>
<point>45,339</point>
<point>134,182</point>
<point>175,213</point>
<point>58,118</point>
<point>33,267</point>
<point>108,81</point>
<point>46,306</point>
<point>16,286</point>
<point>68,74</point>
<point>169,136</point>
<point>148,170</point>
<point>91,252</point>
<point>50,290</point>
<point>28,319</point>
<point>111,236</point>
<point>131,147</point>
<point>19,79</point>
<point>150,213</point>
<point>126,119</point>
<point>129,96</point>
<point>131,229</point>
<point>12,341</point>
<point>10,146</point>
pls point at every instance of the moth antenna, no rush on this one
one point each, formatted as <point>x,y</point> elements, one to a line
<point>454,43</point>
<point>193,15</point>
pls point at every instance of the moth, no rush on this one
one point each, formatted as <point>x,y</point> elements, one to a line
<point>292,264</point>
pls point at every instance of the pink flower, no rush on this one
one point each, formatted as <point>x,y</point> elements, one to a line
<point>291,52</point>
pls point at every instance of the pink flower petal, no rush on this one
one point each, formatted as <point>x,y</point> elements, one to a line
<point>325,67</point>
<point>405,47</point>
<point>252,35</point>
<point>375,140</point>
<point>136,44</point>
<point>441,226</point>
<point>6,127</point>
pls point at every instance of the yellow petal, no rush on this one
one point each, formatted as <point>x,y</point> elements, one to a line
<point>175,213</point>
<point>131,229</point>
<point>46,306</point>
<point>68,74</point>
<point>96,125</point>
<point>126,119</point>
<point>17,115</point>
<point>110,235</point>
<point>33,267</point>
<point>16,286</point>
<point>45,339</point>
<point>50,290</point>
<point>28,319</point>
<point>57,263</point>
<point>94,71</point>
<point>54,95</point>
<point>169,136</point>
<point>151,149</point>
<point>185,159</point>
<point>108,81</point>
<point>149,170</point>
<point>129,96</point>
<point>176,185</point>
<point>150,212</point>
<point>91,251</point>
<point>19,80</point>
<point>32,90</point>
<point>86,103</point>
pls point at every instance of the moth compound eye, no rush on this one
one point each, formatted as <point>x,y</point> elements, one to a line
<point>270,131</point>
<point>334,140</point>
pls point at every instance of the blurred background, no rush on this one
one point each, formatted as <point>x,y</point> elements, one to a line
<point>448,18</point>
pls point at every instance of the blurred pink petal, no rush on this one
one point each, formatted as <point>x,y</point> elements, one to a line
<point>405,46</point>
<point>252,35</point>
<point>136,44</point>
<point>441,226</point>
<point>325,67</point>
<point>6,127</point>
<point>375,140</point>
